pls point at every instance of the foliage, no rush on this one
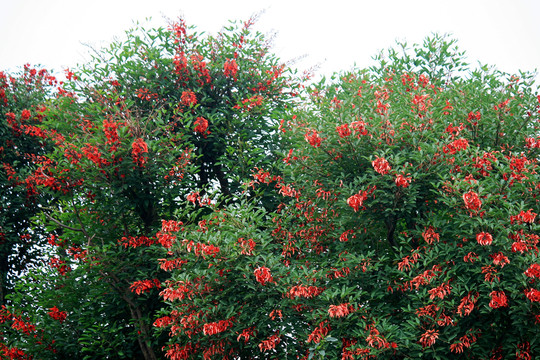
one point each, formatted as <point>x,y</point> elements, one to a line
<point>22,142</point>
<point>407,227</point>
<point>196,206</point>
<point>163,116</point>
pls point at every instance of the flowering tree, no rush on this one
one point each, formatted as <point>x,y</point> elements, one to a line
<point>161,119</point>
<point>22,143</point>
<point>408,226</point>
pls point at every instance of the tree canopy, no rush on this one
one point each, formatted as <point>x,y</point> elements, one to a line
<point>188,196</point>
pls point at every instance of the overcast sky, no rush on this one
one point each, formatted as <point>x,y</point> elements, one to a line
<point>333,34</point>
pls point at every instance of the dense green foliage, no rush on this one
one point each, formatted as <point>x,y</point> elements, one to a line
<point>191,200</point>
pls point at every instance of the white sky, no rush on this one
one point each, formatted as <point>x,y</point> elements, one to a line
<point>333,34</point>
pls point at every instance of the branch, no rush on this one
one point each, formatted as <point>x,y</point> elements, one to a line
<point>60,224</point>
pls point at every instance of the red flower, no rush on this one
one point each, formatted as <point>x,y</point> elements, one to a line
<point>231,68</point>
<point>193,197</point>
<point>142,286</point>
<point>216,327</point>
<point>110,130</point>
<point>262,275</point>
<point>456,145</point>
<point>357,200</point>
<point>428,338</point>
<point>499,259</point>
<point>430,235</point>
<point>340,310</point>
<point>139,147</point>
<point>533,295</point>
<point>402,181</point>
<point>381,165</point>
<point>312,137</point>
<point>359,127</point>
<point>57,314</point>
<point>188,98</point>
<point>472,201</point>
<point>25,115</point>
<point>270,343</point>
<point>319,333</point>
<point>498,299</point>
<point>343,130</point>
<point>484,238</point>
<point>201,126</point>
<point>533,271</point>
<point>467,305</point>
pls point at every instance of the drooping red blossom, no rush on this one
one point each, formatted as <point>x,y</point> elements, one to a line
<point>533,295</point>
<point>524,217</point>
<point>428,338</point>
<point>430,236</point>
<point>340,310</point>
<point>57,314</point>
<point>357,200</point>
<point>455,146</point>
<point>319,333</point>
<point>263,275</point>
<point>217,327</point>
<point>201,126</point>
<point>472,201</point>
<point>402,180</point>
<point>343,130</point>
<point>111,132</point>
<point>188,98</point>
<point>466,306</point>
<point>500,259</point>
<point>484,238</point>
<point>381,165</point>
<point>498,299</point>
<point>440,291</point>
<point>26,114</point>
<point>313,138</point>
<point>139,147</point>
<point>533,271</point>
<point>230,68</point>
<point>270,343</point>
<point>142,286</point>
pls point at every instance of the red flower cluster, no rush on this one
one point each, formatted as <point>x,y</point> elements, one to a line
<point>343,130</point>
<point>472,201</point>
<point>188,98</point>
<point>455,146</point>
<point>484,238</point>
<point>340,310</point>
<point>217,327</point>
<point>402,180</point>
<point>319,333</point>
<point>144,285</point>
<point>270,343</point>
<point>262,275</point>
<point>201,126</point>
<point>430,235</point>
<point>428,338</point>
<point>466,306</point>
<point>230,68</point>
<point>533,295</point>
<point>381,165</point>
<point>498,299</point>
<point>57,314</point>
<point>307,292</point>
<point>313,138</point>
<point>110,128</point>
<point>357,200</point>
<point>526,217</point>
<point>139,147</point>
<point>533,271</point>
